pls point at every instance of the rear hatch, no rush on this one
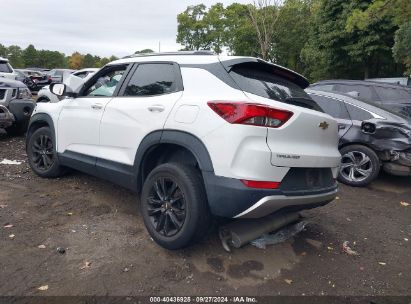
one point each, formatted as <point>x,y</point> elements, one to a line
<point>310,137</point>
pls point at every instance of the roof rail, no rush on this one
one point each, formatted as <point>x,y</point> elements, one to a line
<point>179,53</point>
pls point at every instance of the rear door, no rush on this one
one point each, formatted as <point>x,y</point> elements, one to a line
<point>143,105</point>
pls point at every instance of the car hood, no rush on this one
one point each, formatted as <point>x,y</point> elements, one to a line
<point>9,83</point>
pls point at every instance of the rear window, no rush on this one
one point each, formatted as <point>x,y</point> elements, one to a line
<point>364,91</point>
<point>393,94</point>
<point>4,67</point>
<point>254,79</point>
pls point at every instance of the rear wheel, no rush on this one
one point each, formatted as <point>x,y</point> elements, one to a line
<point>42,154</point>
<point>174,205</point>
<point>359,166</point>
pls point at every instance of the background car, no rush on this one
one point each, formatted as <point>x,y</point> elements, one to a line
<point>6,70</point>
<point>59,75</point>
<point>16,106</point>
<point>24,79</point>
<point>370,137</point>
<point>38,79</point>
<point>394,97</point>
<point>44,95</point>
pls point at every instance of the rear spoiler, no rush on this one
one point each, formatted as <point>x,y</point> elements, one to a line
<point>288,74</point>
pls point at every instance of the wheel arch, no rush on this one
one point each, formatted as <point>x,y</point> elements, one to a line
<point>160,146</point>
<point>38,121</point>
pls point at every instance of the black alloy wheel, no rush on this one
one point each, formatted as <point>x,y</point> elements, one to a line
<point>166,206</point>
<point>42,153</point>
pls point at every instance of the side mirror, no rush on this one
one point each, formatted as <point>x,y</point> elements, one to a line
<point>58,89</point>
<point>354,94</point>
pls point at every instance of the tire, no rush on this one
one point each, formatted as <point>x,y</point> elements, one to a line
<point>359,166</point>
<point>175,223</point>
<point>42,155</point>
<point>17,129</point>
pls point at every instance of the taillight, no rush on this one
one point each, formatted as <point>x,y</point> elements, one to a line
<point>250,114</point>
<point>260,184</point>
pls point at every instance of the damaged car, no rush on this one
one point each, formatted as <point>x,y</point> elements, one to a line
<point>16,106</point>
<point>371,138</point>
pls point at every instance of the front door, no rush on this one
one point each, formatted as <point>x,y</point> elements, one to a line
<point>79,121</point>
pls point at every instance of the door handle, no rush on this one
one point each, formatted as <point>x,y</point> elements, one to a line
<point>97,106</point>
<point>341,127</point>
<point>156,108</point>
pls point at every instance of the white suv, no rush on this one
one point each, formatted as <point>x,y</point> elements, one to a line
<point>199,136</point>
<point>6,70</point>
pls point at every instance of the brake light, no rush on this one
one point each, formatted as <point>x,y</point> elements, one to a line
<point>261,185</point>
<point>250,114</point>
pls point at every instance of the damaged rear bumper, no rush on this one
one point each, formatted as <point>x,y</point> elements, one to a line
<point>6,117</point>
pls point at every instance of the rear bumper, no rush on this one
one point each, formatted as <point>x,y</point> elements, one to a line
<point>230,198</point>
<point>271,204</point>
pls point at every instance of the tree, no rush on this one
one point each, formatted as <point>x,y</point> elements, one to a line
<point>144,51</point>
<point>76,61</point>
<point>3,51</point>
<point>239,36</point>
<point>402,46</point>
<point>290,34</point>
<point>214,25</point>
<point>191,30</point>
<point>30,56</point>
<point>264,15</point>
<point>332,51</point>
<point>399,11</point>
<point>15,56</point>
<point>88,61</point>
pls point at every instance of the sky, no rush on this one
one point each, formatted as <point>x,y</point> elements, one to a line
<point>98,27</point>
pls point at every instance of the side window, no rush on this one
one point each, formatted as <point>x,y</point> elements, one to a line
<point>331,106</point>
<point>358,113</point>
<point>365,91</point>
<point>390,94</point>
<point>150,79</point>
<point>4,67</point>
<point>106,83</point>
<point>81,74</point>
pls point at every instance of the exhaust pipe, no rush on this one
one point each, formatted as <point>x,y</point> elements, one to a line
<point>243,231</point>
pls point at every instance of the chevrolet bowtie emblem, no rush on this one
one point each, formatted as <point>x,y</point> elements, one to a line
<point>323,125</point>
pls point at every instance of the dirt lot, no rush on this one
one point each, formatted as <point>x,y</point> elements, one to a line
<point>108,251</point>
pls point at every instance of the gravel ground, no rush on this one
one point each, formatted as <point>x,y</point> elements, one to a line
<point>108,251</point>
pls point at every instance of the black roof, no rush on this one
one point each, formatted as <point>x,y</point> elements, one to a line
<point>360,82</point>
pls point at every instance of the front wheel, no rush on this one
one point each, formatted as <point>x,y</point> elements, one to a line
<point>359,166</point>
<point>42,154</point>
<point>174,205</point>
